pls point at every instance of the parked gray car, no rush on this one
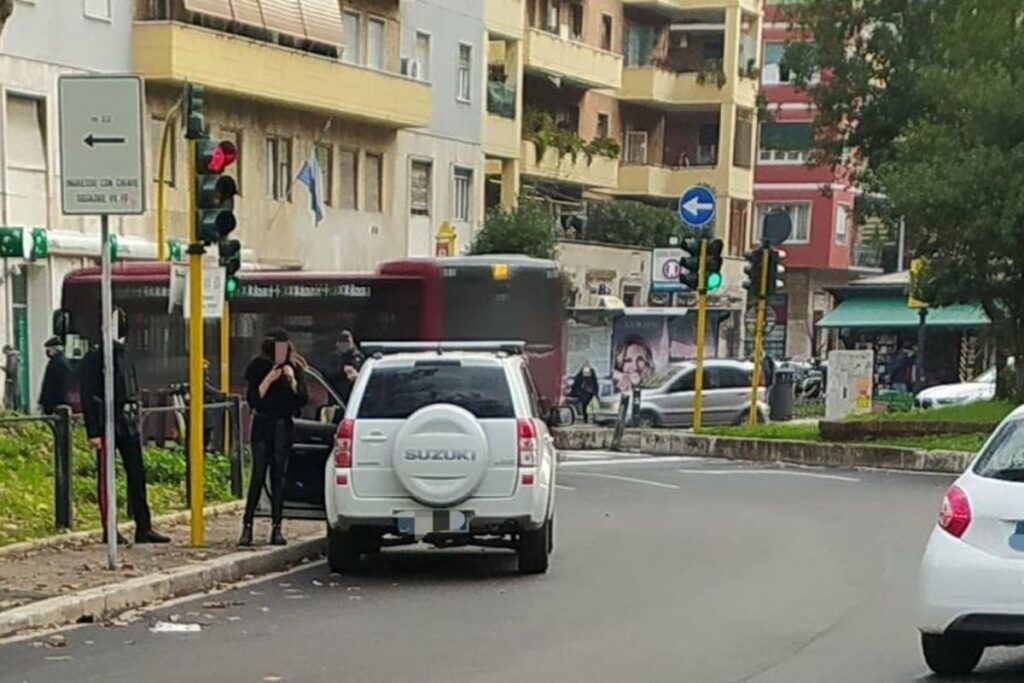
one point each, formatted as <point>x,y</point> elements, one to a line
<point>666,398</point>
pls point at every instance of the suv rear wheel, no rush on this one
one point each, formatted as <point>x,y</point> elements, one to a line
<point>534,549</point>
<point>343,550</point>
<point>952,654</point>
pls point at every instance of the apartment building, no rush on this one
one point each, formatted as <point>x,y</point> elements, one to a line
<point>822,251</point>
<point>440,174</point>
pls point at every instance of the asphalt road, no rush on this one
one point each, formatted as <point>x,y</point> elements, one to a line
<point>667,570</point>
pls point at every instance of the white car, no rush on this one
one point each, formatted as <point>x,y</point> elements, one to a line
<point>981,388</point>
<point>971,591</point>
<point>449,447</point>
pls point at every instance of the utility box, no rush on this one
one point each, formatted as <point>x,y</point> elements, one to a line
<point>849,386</point>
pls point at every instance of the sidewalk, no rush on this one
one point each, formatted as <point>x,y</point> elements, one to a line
<point>64,569</point>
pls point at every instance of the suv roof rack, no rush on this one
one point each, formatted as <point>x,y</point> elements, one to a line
<point>440,347</point>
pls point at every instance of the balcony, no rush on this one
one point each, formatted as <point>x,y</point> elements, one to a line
<point>573,61</point>
<point>171,52</point>
<point>597,172</point>
<point>670,182</point>
<point>673,7</point>
<point>505,18</point>
<point>651,85</point>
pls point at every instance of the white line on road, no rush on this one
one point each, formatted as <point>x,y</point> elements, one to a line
<point>815,475</point>
<point>563,487</point>
<point>629,461</point>
<point>631,480</point>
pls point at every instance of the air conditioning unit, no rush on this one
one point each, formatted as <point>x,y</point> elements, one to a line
<point>411,68</point>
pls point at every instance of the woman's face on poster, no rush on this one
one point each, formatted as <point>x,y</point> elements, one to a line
<point>636,364</point>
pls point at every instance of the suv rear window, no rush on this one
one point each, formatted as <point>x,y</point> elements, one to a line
<point>1003,456</point>
<point>395,393</point>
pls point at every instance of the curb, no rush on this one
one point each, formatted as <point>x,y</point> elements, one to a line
<point>811,453</point>
<point>78,537</point>
<point>103,602</point>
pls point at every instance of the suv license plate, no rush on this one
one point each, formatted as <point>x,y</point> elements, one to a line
<point>422,522</point>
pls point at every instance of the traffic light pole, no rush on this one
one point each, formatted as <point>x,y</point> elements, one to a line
<point>195,369</point>
<point>225,368</point>
<point>762,302</point>
<point>702,314</point>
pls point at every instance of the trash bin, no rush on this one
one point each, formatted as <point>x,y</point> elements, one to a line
<point>782,395</point>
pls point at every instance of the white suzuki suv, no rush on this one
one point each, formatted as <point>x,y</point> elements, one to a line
<point>447,444</point>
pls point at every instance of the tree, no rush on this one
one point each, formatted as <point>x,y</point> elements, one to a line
<point>928,94</point>
<point>6,8</point>
<point>631,223</point>
<point>528,229</point>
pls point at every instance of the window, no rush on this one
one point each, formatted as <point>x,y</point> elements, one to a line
<point>773,73</point>
<point>607,31</point>
<point>423,54</point>
<point>375,44</point>
<point>603,126</point>
<point>235,138</point>
<point>395,393</point>
<point>350,53</point>
<point>732,377</point>
<point>636,147</point>
<point>373,167</point>
<point>156,131</point>
<point>97,9</point>
<point>325,160</point>
<point>576,20</point>
<point>1003,456</point>
<point>531,394</point>
<point>743,140</point>
<point>800,214</point>
<point>279,169</point>
<point>465,79</point>
<point>640,41</point>
<point>26,161</point>
<point>842,224</point>
<point>739,212</point>
<point>349,171</point>
<point>463,194</point>
<point>786,143</point>
<point>420,187</point>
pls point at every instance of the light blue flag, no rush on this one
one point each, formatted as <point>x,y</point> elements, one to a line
<point>309,175</point>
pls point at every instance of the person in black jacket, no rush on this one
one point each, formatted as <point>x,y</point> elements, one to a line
<point>584,389</point>
<point>127,438</point>
<point>276,392</point>
<point>346,361</point>
<point>56,379</point>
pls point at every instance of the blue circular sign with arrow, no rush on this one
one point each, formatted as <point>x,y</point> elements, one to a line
<point>697,206</point>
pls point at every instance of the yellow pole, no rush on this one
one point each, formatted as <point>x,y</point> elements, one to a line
<point>702,317</point>
<point>225,368</point>
<point>161,200</point>
<point>195,367</point>
<point>762,301</point>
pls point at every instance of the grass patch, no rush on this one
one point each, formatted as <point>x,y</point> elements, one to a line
<point>27,475</point>
<point>803,411</point>
<point>775,430</point>
<point>968,443</point>
<point>989,412</point>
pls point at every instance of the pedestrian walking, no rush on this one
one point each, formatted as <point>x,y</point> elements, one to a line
<point>276,392</point>
<point>346,361</point>
<point>584,389</point>
<point>127,436</point>
<point>56,378</point>
<point>12,385</point>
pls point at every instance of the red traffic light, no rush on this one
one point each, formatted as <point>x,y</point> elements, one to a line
<point>220,157</point>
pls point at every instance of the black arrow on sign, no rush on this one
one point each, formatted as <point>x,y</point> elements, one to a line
<point>93,140</point>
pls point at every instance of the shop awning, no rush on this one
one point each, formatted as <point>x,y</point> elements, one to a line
<point>892,312</point>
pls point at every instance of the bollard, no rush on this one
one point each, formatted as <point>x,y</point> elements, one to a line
<point>62,490</point>
<point>635,406</point>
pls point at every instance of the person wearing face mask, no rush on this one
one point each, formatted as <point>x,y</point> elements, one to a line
<point>128,438</point>
<point>56,379</point>
<point>346,361</point>
<point>276,392</point>
<point>584,389</point>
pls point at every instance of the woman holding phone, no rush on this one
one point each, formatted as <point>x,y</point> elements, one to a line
<point>276,393</point>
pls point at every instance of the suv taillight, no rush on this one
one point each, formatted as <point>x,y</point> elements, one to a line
<point>343,443</point>
<point>527,432</point>
<point>955,514</point>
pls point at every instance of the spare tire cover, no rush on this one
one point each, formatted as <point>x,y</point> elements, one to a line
<point>441,455</point>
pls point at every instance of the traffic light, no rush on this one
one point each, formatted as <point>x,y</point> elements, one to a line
<point>230,252</point>
<point>776,271</point>
<point>195,120</point>
<point>752,273</point>
<point>713,265</point>
<point>215,193</point>
<point>689,264</point>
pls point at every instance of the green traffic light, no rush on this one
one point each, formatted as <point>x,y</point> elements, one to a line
<point>714,281</point>
<point>231,286</point>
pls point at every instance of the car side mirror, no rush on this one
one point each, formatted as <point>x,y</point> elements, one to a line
<point>563,416</point>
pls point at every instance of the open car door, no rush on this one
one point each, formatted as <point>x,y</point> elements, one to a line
<point>314,441</point>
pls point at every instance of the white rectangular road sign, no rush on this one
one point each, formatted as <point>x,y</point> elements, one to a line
<point>665,270</point>
<point>101,154</point>
<point>213,293</point>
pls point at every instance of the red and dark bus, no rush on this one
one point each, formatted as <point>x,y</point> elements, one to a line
<point>468,298</point>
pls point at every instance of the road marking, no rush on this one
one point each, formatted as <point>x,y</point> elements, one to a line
<point>815,475</point>
<point>631,480</point>
<point>563,487</point>
<point>630,461</point>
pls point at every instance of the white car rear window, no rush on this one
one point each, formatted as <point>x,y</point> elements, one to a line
<point>395,393</point>
<point>1003,456</point>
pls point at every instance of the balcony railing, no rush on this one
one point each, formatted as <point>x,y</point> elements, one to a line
<point>501,100</point>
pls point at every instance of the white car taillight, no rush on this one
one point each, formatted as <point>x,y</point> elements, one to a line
<point>343,443</point>
<point>955,514</point>
<point>527,432</point>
